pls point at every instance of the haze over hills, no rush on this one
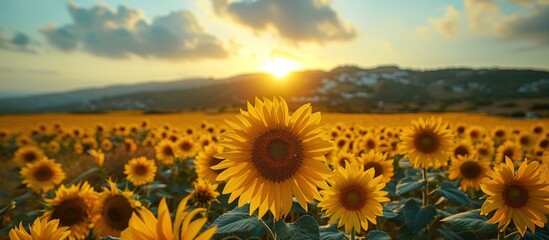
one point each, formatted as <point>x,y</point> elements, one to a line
<point>343,89</point>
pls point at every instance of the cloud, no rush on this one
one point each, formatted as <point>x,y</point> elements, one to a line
<point>482,14</point>
<point>120,33</point>
<point>20,42</point>
<point>447,25</point>
<point>294,20</point>
<point>532,26</point>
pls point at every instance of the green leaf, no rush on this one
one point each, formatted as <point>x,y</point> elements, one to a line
<point>417,217</point>
<point>387,213</point>
<point>470,220</point>
<point>408,184</point>
<point>452,193</point>
<point>331,232</point>
<point>237,220</point>
<point>304,228</point>
<point>378,235</point>
<point>449,234</point>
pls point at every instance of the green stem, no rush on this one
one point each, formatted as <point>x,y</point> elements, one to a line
<point>353,234</point>
<point>501,235</point>
<point>426,188</point>
<point>268,229</point>
<point>84,175</point>
<point>511,234</point>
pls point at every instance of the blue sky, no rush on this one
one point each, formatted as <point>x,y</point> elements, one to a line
<point>44,47</point>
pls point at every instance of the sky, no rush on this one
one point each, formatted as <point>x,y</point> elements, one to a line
<point>52,46</point>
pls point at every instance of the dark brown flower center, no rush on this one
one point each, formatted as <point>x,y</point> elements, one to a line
<point>117,212</point>
<point>353,197</point>
<point>524,140</point>
<point>461,150</point>
<point>277,154</point>
<point>185,146</point>
<point>461,130</point>
<point>543,143</point>
<point>370,144</point>
<point>470,170</point>
<point>70,212</point>
<point>515,195</point>
<point>29,157</point>
<point>500,133</point>
<point>376,166</point>
<point>482,151</point>
<point>168,151</point>
<point>426,142</point>
<point>538,130</point>
<point>43,174</point>
<point>140,169</point>
<point>509,153</point>
<point>474,134</point>
<point>341,143</point>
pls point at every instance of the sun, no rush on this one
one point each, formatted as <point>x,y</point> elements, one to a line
<point>280,67</point>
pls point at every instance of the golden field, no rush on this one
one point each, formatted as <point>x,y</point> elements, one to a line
<point>273,174</point>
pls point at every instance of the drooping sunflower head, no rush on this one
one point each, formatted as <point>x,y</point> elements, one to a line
<point>428,143</point>
<point>140,171</point>
<point>72,206</point>
<point>379,162</point>
<point>42,175</point>
<point>508,149</point>
<point>272,154</point>
<point>165,152</point>
<point>341,158</point>
<point>205,160</point>
<point>27,154</point>
<point>354,197</point>
<point>113,210</point>
<point>470,169</point>
<point>519,196</point>
<point>204,192</point>
<point>42,228</point>
<point>185,148</point>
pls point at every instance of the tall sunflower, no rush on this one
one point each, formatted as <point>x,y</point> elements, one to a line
<point>27,154</point>
<point>140,171</point>
<point>113,210</point>
<point>379,162</point>
<point>462,148</point>
<point>273,156</point>
<point>42,175</point>
<point>165,152</point>
<point>428,143</point>
<point>521,196</point>
<point>354,197</point>
<point>72,206</point>
<point>470,169</point>
<point>508,149</point>
<point>147,227</point>
<point>185,148</point>
<point>42,228</point>
<point>205,160</point>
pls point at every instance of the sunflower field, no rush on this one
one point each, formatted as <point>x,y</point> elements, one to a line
<point>270,172</point>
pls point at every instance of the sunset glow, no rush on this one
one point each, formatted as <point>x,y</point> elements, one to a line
<point>280,67</point>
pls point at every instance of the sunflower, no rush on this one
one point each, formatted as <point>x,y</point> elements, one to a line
<point>538,129</point>
<point>470,169</point>
<point>72,206</point>
<point>42,228</point>
<point>476,133</point>
<point>130,145</point>
<point>462,148</point>
<point>42,175</point>
<point>98,156</point>
<point>78,148</point>
<point>140,171</point>
<point>53,147</point>
<point>542,157</point>
<point>428,143</point>
<point>543,143</point>
<point>204,141</point>
<point>379,162</point>
<point>342,143</point>
<point>485,149</point>
<point>204,192</point>
<point>500,134</point>
<point>185,148</point>
<point>205,160</point>
<point>106,144</point>
<point>333,133</point>
<point>526,141</point>
<point>508,149</point>
<point>273,156</point>
<point>24,140</point>
<point>521,196</point>
<point>460,129</point>
<point>341,157</point>
<point>366,143</point>
<point>27,154</point>
<point>354,197</point>
<point>113,210</point>
<point>165,152</point>
<point>145,226</point>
